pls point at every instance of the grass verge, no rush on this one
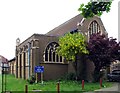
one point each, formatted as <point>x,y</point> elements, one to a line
<point>13,84</point>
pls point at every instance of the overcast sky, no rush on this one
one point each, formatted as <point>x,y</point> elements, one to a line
<point>22,18</point>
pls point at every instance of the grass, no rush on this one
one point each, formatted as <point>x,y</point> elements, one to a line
<point>0,83</point>
<point>14,84</point>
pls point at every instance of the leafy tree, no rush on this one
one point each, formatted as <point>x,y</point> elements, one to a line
<point>116,52</point>
<point>102,51</point>
<point>94,8</point>
<point>71,45</point>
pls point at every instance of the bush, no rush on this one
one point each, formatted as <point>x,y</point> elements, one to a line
<point>69,76</point>
<point>98,75</point>
<point>32,79</point>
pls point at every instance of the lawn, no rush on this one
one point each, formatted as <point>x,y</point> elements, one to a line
<point>14,84</point>
<point>0,83</point>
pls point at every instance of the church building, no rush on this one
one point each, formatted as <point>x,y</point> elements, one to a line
<point>40,50</point>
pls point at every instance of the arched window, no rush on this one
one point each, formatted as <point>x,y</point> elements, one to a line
<point>94,28</point>
<point>50,54</point>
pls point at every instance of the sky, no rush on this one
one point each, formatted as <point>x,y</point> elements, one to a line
<point>23,18</point>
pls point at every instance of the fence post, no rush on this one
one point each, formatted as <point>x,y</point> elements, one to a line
<point>82,84</point>
<point>26,88</point>
<point>58,87</point>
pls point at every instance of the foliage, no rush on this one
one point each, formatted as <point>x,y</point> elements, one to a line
<point>69,76</point>
<point>116,52</point>
<point>102,51</point>
<point>32,79</point>
<point>72,44</point>
<point>94,8</point>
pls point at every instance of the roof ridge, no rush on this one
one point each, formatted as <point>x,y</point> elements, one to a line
<point>64,23</point>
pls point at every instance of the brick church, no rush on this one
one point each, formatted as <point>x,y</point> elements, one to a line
<point>40,50</point>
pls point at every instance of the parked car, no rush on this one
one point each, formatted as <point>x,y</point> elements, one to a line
<point>114,76</point>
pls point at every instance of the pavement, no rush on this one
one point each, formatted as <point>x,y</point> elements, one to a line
<point>114,89</point>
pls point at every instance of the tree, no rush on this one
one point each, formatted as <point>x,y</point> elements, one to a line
<point>102,51</point>
<point>71,45</point>
<point>94,8</point>
<point>116,52</point>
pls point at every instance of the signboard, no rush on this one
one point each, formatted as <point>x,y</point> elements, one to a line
<point>39,69</point>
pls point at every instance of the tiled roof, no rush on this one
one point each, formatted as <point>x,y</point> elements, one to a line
<point>3,59</point>
<point>66,27</point>
<point>12,59</point>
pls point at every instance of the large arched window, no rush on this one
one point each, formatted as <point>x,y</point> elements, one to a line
<point>50,54</point>
<point>93,28</point>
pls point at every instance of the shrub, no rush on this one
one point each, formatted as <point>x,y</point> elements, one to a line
<point>98,75</point>
<point>32,79</point>
<point>69,76</point>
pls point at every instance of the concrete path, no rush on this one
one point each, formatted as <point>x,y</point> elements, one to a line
<point>114,89</point>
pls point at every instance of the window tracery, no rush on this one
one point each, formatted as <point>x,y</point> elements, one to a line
<point>50,54</point>
<point>94,28</point>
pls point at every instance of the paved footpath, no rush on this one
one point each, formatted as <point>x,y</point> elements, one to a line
<point>114,89</point>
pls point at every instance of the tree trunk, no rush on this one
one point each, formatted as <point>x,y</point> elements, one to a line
<point>79,67</point>
<point>75,65</point>
<point>96,74</point>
